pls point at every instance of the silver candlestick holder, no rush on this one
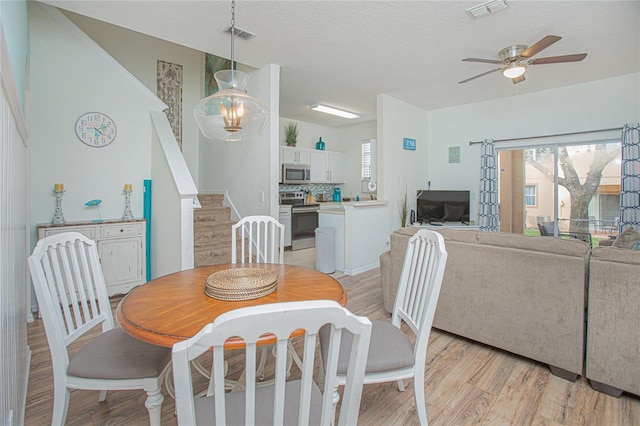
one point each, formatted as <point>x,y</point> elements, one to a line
<point>127,205</point>
<point>58,216</point>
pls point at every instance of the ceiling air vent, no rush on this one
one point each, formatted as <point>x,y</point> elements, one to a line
<point>486,8</point>
<point>240,33</point>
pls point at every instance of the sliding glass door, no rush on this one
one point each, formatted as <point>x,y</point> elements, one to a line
<point>568,188</point>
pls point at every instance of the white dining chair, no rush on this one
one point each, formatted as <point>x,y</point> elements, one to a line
<point>73,299</point>
<point>299,401</point>
<point>392,357</point>
<point>261,240</point>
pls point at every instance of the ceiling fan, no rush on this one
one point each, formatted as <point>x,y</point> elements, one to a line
<point>515,59</point>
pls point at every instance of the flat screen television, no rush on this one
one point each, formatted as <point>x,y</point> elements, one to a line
<point>442,206</point>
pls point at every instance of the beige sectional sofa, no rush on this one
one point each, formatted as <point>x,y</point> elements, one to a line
<point>525,295</point>
<point>612,362</point>
<point>553,300</point>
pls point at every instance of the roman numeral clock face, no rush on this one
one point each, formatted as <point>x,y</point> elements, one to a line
<point>95,129</point>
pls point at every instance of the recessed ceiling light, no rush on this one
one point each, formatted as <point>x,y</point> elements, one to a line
<point>334,111</point>
<point>486,8</point>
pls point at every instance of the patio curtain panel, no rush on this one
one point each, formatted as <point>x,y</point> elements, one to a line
<point>630,178</point>
<point>488,214</point>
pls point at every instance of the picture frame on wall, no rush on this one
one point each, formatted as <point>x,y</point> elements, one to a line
<point>409,144</point>
<point>454,154</point>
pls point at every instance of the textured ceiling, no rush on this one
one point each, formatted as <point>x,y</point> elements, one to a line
<point>344,53</point>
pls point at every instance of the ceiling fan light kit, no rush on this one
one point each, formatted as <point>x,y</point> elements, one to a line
<point>513,70</point>
<point>231,114</point>
<point>334,111</point>
<point>515,59</point>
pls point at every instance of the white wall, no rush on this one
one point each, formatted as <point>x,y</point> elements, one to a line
<point>15,354</point>
<point>71,75</point>
<point>139,54</point>
<point>310,133</point>
<point>596,105</point>
<point>351,138</point>
<point>400,170</point>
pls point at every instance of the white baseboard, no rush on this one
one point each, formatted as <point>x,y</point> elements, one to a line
<point>362,269</point>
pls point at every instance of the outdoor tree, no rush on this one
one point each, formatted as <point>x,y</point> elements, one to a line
<point>580,193</point>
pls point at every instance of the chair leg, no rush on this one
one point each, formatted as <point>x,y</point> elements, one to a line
<point>154,406</point>
<point>418,393</point>
<point>103,396</point>
<point>60,404</point>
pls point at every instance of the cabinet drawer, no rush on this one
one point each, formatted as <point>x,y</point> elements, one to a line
<point>121,230</point>
<point>87,232</point>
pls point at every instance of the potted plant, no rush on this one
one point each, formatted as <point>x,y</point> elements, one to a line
<point>404,209</point>
<point>291,133</point>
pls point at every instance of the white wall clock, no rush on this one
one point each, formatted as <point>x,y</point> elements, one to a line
<point>95,129</point>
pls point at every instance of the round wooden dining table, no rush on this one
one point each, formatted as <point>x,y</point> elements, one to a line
<point>174,307</point>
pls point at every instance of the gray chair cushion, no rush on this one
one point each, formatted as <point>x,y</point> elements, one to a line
<point>205,407</point>
<point>116,355</point>
<point>389,348</point>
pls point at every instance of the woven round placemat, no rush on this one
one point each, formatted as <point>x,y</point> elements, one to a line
<point>241,283</point>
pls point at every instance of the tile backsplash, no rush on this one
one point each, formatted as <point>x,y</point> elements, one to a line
<point>314,188</point>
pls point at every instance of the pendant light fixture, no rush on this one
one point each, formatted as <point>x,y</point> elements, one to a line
<point>231,114</point>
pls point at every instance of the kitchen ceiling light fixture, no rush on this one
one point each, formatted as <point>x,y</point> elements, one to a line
<point>334,111</point>
<point>231,114</point>
<point>513,70</point>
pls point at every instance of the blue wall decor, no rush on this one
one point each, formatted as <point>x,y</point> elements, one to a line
<point>408,143</point>
<point>454,154</point>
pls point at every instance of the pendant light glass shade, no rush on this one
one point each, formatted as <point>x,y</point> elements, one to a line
<point>231,114</point>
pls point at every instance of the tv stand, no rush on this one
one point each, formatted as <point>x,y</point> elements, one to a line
<point>452,225</point>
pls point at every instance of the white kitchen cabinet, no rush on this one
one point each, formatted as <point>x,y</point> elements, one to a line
<point>337,167</point>
<point>293,155</point>
<point>121,248</point>
<point>319,163</point>
<point>328,166</point>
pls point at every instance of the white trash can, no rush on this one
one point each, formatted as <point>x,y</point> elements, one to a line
<point>325,257</point>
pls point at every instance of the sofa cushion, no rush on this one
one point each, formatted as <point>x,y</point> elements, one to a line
<point>629,238</point>
<point>567,247</point>
<point>615,255</point>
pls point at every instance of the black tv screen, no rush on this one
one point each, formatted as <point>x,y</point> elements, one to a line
<point>442,206</point>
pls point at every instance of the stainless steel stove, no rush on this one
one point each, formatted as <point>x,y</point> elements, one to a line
<point>304,219</point>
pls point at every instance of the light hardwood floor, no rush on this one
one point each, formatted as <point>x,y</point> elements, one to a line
<point>466,383</point>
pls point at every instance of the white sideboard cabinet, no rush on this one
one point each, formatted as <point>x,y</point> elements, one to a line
<point>121,247</point>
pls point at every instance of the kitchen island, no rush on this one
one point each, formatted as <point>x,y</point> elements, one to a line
<point>359,239</point>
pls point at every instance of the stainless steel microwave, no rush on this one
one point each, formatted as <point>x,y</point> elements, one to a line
<point>296,173</point>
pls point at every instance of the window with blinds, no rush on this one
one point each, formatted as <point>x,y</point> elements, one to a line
<point>366,160</point>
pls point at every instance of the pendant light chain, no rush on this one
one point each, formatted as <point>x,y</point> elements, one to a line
<point>233,36</point>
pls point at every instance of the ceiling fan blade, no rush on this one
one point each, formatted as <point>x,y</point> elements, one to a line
<point>518,79</point>
<point>540,45</point>
<point>557,59</point>
<point>484,61</point>
<point>479,75</point>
